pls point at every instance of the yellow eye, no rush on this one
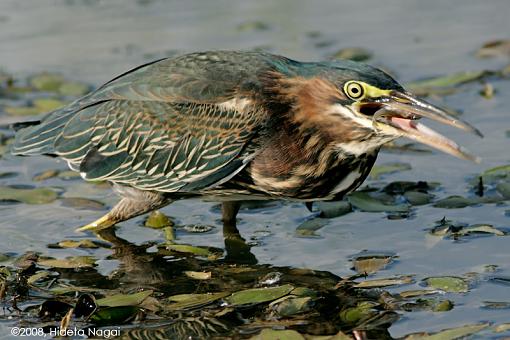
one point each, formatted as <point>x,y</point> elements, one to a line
<point>354,90</point>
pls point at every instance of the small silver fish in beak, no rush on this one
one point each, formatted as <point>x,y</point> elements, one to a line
<point>398,116</point>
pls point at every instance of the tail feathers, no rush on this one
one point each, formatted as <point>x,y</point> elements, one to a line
<point>21,125</point>
<point>36,138</point>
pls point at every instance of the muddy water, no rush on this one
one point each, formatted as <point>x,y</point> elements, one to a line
<point>92,41</point>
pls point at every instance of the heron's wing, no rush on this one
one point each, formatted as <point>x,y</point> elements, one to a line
<point>179,124</point>
<point>159,146</point>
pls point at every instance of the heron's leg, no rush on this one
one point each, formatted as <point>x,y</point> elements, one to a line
<point>237,249</point>
<point>134,202</point>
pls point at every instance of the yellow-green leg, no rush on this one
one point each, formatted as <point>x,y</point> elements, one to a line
<point>127,208</point>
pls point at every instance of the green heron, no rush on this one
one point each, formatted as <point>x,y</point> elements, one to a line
<point>232,126</point>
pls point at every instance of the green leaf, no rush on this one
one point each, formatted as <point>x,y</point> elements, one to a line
<point>22,110</point>
<point>309,227</point>
<point>365,202</point>
<point>481,229</point>
<point>446,81</point>
<point>496,304</point>
<point>288,306</point>
<point>495,48</point>
<point>456,202</point>
<point>29,196</point>
<point>38,276</point>
<point>73,89</point>
<point>184,248</point>
<point>49,82</point>
<point>80,203</point>
<point>450,284</point>
<point>118,300</point>
<point>70,262</point>
<point>402,280</point>
<point>333,209</point>
<point>452,333</point>
<point>504,189</point>
<point>353,53</point>
<point>89,244</point>
<point>47,104</point>
<point>371,264</point>
<point>114,315</point>
<point>45,175</point>
<point>258,295</point>
<point>504,327</point>
<point>420,292</point>
<point>416,198</point>
<point>272,334</point>
<point>188,301</point>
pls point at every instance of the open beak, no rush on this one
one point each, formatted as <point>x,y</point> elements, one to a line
<point>397,115</point>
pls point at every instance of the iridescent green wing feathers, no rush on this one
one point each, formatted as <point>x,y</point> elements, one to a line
<point>166,127</point>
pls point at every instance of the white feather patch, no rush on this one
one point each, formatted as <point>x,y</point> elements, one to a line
<point>236,104</point>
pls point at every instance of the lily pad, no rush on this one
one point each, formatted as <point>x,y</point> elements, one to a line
<point>73,89</point>
<point>272,334</point>
<point>82,203</point>
<point>158,220</point>
<point>495,48</point>
<point>449,284</point>
<point>333,209</point>
<point>258,295</point>
<point>447,229</point>
<point>22,110</point>
<point>38,276</point>
<point>363,310</point>
<point>492,175</point>
<point>68,175</point>
<point>456,202</point>
<point>114,315</point>
<point>417,198</point>
<point>371,264</point>
<point>433,305</point>
<point>118,300</point>
<point>504,189</point>
<point>496,304</point>
<point>504,327</point>
<point>198,275</point>
<point>89,244</point>
<point>69,263</point>
<point>420,292</point>
<point>365,202</point>
<point>185,248</point>
<point>394,281</point>
<point>45,175</point>
<point>426,86</point>
<point>29,196</point>
<point>47,104</point>
<point>289,306</point>
<point>48,82</point>
<point>309,227</point>
<point>353,53</point>
<point>188,301</point>
<point>452,333</point>
<point>388,168</point>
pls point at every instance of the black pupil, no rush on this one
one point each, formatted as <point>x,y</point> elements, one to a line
<point>355,90</point>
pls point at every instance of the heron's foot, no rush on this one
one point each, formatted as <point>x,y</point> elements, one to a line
<point>102,223</point>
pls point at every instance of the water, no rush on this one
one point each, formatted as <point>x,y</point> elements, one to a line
<point>93,41</point>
